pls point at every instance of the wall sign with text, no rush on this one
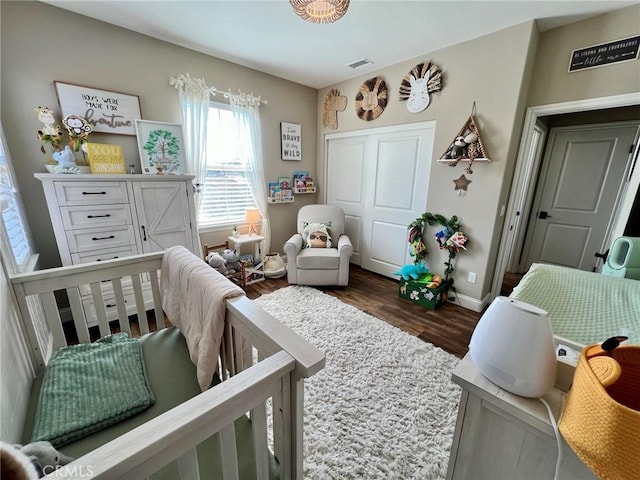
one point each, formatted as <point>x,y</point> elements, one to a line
<point>108,112</point>
<point>291,141</point>
<point>622,50</point>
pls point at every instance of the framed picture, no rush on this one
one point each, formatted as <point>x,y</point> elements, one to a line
<point>105,158</point>
<point>161,147</point>
<point>291,141</point>
<point>107,112</point>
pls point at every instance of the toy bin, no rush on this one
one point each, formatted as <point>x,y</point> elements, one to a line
<point>418,292</point>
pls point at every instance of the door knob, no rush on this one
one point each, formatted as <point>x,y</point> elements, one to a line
<point>543,215</point>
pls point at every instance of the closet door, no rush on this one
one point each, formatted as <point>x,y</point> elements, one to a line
<point>380,179</point>
<point>345,185</point>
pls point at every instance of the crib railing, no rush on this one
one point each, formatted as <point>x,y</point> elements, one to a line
<point>260,359</point>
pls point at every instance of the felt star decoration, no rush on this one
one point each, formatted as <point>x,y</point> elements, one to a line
<point>461,183</point>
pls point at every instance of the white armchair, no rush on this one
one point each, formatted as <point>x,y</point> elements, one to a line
<point>319,266</point>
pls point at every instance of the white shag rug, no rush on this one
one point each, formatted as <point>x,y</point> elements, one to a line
<point>384,406</point>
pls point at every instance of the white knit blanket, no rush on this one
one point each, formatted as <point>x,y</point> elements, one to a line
<point>194,299</point>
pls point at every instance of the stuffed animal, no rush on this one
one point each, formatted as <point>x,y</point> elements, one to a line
<point>317,235</point>
<point>66,161</point>
<point>435,282</point>
<point>43,457</point>
<point>232,261</point>
<point>459,148</point>
<point>413,271</point>
<point>216,261</point>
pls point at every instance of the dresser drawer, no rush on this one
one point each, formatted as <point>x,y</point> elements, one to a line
<point>106,254</point>
<point>91,193</point>
<point>95,216</point>
<point>91,240</point>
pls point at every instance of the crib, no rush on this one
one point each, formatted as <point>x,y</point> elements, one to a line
<point>262,366</point>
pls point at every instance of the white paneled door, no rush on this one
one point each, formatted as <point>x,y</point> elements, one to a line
<point>581,182</point>
<point>379,177</point>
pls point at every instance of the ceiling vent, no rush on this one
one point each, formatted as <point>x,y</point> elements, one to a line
<point>360,63</point>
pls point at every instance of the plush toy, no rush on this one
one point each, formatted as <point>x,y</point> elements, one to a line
<point>459,148</point>
<point>457,241</point>
<point>232,261</point>
<point>413,271</point>
<point>317,235</point>
<point>435,282</point>
<point>66,161</point>
<point>216,261</point>
<point>43,458</point>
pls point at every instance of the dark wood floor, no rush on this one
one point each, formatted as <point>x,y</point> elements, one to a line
<point>448,327</point>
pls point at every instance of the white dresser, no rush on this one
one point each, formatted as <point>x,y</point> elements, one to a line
<point>101,217</point>
<point>502,436</point>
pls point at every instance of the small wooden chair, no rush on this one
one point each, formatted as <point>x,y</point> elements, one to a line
<point>239,278</point>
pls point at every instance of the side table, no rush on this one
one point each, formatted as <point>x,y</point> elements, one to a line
<point>254,272</point>
<point>500,435</point>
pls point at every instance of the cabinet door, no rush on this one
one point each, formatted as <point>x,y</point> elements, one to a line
<point>162,210</point>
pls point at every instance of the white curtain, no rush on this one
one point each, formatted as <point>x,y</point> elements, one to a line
<point>246,113</point>
<point>195,99</point>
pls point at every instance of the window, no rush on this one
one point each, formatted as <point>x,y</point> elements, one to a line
<point>14,234</point>
<point>225,193</point>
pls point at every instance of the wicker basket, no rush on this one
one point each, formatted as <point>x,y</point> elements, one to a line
<point>601,415</point>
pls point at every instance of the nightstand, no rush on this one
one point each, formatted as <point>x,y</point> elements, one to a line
<point>253,273</point>
<point>500,435</point>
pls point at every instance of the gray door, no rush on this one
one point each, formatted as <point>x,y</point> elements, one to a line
<point>580,183</point>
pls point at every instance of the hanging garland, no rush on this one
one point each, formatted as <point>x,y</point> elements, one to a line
<point>449,237</point>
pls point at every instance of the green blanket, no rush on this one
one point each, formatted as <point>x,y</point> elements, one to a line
<point>89,387</point>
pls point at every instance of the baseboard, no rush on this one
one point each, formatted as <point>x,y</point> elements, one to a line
<point>470,302</point>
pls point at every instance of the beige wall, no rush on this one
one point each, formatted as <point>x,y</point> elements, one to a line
<point>41,44</point>
<point>490,71</point>
<point>551,83</point>
<point>503,72</point>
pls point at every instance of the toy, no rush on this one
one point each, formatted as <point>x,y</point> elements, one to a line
<point>216,261</point>
<point>44,457</point>
<point>459,148</point>
<point>457,241</point>
<point>413,271</point>
<point>49,133</point>
<point>66,161</point>
<point>317,235</point>
<point>435,282</point>
<point>232,261</point>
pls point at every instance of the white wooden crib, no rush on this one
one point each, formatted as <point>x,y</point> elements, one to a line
<point>275,373</point>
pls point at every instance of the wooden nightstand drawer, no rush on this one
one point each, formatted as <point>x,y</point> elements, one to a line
<point>95,216</point>
<point>91,193</point>
<point>90,240</point>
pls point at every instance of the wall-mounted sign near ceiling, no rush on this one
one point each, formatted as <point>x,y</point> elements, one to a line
<point>622,50</point>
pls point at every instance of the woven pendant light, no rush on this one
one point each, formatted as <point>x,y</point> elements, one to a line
<point>320,11</point>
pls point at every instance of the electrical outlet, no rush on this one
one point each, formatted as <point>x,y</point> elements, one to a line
<point>472,277</point>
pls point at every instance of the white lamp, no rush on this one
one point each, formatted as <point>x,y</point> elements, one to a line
<point>252,216</point>
<point>512,346</point>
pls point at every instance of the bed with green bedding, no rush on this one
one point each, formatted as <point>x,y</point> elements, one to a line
<point>584,307</point>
